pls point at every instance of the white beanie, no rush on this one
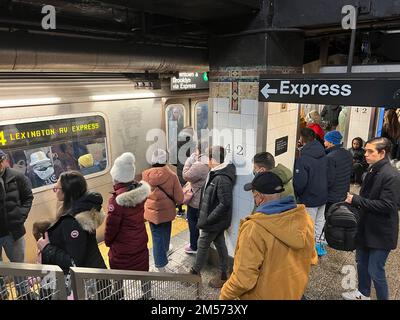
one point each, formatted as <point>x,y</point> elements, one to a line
<point>124,169</point>
<point>159,156</point>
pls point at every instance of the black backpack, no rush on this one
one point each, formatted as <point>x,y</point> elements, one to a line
<point>341,223</point>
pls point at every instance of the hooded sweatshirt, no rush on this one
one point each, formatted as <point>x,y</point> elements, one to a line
<point>310,179</point>
<point>286,176</point>
<point>274,253</point>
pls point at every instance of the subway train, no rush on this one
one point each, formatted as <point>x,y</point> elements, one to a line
<point>51,123</point>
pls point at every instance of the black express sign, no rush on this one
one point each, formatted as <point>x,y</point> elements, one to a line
<point>362,91</point>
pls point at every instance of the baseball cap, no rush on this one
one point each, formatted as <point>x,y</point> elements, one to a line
<point>265,183</point>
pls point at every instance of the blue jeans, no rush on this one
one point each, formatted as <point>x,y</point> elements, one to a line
<point>371,266</point>
<point>15,251</point>
<point>193,216</point>
<point>161,234</point>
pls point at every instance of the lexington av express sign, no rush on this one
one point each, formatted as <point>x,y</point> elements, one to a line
<point>341,89</point>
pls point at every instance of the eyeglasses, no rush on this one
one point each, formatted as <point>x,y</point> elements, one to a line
<point>55,189</point>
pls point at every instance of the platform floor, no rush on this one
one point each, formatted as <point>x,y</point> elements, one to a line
<point>327,281</point>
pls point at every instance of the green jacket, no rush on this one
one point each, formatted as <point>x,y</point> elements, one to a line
<point>287,178</point>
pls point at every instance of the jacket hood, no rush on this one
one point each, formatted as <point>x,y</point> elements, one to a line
<point>283,173</point>
<point>313,149</point>
<point>277,206</point>
<point>90,220</point>
<point>88,212</point>
<point>158,175</point>
<point>133,197</point>
<point>226,169</point>
<point>290,226</point>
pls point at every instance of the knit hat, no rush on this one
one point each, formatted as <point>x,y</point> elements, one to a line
<point>124,169</point>
<point>159,156</point>
<point>86,161</point>
<point>333,137</point>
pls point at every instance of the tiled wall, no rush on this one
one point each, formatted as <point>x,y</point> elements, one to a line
<point>239,129</point>
<point>282,120</point>
<point>360,122</point>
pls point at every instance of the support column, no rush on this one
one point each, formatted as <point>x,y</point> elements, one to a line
<point>243,125</point>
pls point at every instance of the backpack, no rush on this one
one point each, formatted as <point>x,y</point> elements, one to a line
<point>341,226</point>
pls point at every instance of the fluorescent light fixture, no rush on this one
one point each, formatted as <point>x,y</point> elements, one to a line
<point>28,102</point>
<point>123,96</point>
<point>392,31</point>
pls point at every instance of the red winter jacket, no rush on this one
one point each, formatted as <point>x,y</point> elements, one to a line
<point>125,232</point>
<point>317,129</point>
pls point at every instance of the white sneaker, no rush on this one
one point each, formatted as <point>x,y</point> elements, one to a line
<point>354,295</point>
<point>162,269</point>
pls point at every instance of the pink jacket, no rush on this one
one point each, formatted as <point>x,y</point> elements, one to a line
<point>159,207</point>
<point>195,171</point>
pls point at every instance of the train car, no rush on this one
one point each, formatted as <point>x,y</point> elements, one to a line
<point>51,123</point>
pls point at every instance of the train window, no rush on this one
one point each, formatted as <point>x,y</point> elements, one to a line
<point>175,120</point>
<point>42,150</point>
<point>201,117</point>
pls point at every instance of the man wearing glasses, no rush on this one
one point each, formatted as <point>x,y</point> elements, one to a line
<point>15,203</point>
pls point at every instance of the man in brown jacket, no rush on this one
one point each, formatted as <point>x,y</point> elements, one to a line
<point>275,246</point>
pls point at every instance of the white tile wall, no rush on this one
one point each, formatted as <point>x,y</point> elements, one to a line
<point>234,120</point>
<point>249,107</point>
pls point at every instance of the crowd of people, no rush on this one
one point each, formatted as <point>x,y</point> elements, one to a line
<point>278,242</point>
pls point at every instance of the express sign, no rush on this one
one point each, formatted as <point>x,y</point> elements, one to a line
<point>332,89</point>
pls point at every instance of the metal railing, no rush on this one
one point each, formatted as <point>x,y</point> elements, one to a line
<point>101,284</point>
<point>24,281</point>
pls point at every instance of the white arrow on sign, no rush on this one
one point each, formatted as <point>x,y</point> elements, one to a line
<point>266,90</point>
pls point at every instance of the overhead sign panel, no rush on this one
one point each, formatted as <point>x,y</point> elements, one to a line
<point>189,81</point>
<point>353,90</point>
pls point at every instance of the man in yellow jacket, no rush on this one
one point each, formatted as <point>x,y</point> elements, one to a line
<point>275,247</point>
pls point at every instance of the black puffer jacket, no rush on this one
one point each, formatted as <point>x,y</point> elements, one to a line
<point>330,114</point>
<point>15,203</point>
<point>216,199</point>
<point>379,202</point>
<point>340,165</point>
<point>73,236</point>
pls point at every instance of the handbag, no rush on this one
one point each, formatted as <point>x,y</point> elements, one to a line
<point>187,193</point>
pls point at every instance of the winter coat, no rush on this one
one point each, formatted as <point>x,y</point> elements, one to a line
<point>187,144</point>
<point>340,166</point>
<point>15,203</point>
<point>195,171</point>
<point>125,231</point>
<point>159,208</point>
<point>359,157</point>
<point>286,176</point>
<point>317,129</point>
<point>379,202</point>
<point>331,114</point>
<point>216,199</point>
<point>310,179</point>
<point>274,253</point>
<point>73,236</point>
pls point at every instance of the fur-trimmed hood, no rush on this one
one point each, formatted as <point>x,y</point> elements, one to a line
<point>90,220</point>
<point>132,198</point>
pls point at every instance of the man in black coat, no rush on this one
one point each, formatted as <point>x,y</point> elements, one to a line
<point>15,203</point>
<point>340,164</point>
<point>215,213</point>
<point>378,228</point>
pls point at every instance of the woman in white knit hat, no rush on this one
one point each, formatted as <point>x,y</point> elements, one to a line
<point>125,232</point>
<point>160,205</point>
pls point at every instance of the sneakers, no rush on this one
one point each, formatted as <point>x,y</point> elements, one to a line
<point>218,281</point>
<point>162,269</point>
<point>189,250</point>
<point>354,295</point>
<point>320,248</point>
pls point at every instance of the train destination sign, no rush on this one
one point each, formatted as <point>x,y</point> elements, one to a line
<point>352,90</point>
<point>42,133</point>
<point>189,81</point>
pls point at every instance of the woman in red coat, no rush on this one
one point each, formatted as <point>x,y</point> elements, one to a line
<point>125,232</point>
